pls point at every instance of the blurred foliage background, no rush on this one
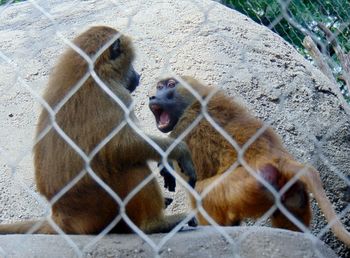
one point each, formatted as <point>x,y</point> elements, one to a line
<point>326,21</point>
<point>10,1</point>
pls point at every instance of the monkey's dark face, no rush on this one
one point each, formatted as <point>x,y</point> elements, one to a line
<point>117,52</point>
<point>167,105</point>
<point>133,79</point>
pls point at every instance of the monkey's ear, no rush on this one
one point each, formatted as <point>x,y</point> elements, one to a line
<point>114,49</point>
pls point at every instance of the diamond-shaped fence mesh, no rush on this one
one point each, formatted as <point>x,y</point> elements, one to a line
<point>95,168</point>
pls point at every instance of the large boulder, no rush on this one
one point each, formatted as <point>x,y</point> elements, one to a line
<point>200,38</point>
<point>254,242</point>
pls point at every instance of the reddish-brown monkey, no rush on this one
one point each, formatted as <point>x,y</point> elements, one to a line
<point>239,195</point>
<point>87,118</point>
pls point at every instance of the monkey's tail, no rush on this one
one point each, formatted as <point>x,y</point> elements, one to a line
<point>311,178</point>
<point>31,227</point>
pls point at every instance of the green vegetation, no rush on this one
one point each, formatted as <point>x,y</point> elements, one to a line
<point>10,1</point>
<point>294,19</point>
<point>306,13</point>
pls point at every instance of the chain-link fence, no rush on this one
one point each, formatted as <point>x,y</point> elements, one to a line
<point>100,184</point>
<point>319,30</point>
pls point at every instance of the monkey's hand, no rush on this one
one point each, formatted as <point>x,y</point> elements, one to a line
<point>346,192</point>
<point>187,167</point>
<point>169,179</point>
<point>168,201</point>
<point>193,222</point>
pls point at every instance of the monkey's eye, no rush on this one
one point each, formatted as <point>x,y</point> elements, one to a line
<point>171,84</point>
<point>115,50</point>
<point>160,86</point>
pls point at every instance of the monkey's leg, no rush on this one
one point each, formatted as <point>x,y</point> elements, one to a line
<point>311,178</point>
<point>167,223</point>
<point>296,201</point>
<point>236,197</point>
<point>35,227</point>
<point>146,208</point>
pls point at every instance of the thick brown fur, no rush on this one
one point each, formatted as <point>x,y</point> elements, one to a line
<point>87,118</point>
<point>239,195</point>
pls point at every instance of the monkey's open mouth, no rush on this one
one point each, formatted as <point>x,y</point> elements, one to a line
<point>162,117</point>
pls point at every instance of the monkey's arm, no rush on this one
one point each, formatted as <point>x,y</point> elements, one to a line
<point>169,179</point>
<point>135,150</point>
<point>346,192</point>
<point>182,155</point>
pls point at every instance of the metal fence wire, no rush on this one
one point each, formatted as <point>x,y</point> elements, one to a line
<point>318,30</point>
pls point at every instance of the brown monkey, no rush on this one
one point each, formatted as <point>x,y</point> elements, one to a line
<point>239,195</point>
<point>88,118</point>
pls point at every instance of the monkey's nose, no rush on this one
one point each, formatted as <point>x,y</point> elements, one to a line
<point>170,95</point>
<point>138,76</point>
<point>152,97</point>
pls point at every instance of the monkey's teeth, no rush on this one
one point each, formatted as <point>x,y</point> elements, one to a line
<point>164,120</point>
<point>162,125</point>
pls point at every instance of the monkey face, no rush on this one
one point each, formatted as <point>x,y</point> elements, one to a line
<point>167,105</point>
<point>133,79</point>
<point>117,52</point>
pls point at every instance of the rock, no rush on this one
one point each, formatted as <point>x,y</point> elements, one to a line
<point>248,242</point>
<point>200,38</point>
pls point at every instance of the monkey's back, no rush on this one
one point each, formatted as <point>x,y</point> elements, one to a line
<point>212,153</point>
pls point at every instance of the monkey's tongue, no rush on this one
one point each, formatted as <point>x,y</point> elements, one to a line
<point>164,119</point>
